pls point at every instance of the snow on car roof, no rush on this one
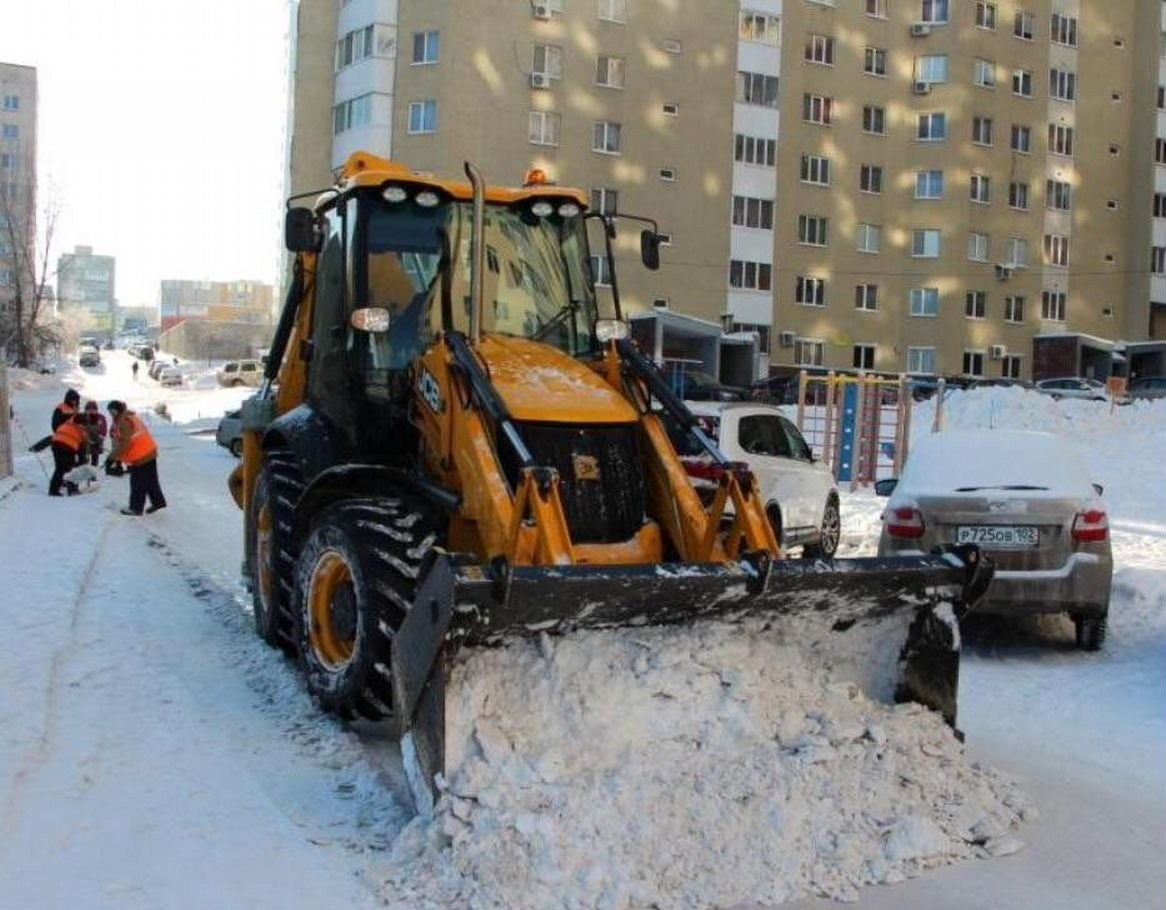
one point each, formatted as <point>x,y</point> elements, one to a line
<point>973,460</point>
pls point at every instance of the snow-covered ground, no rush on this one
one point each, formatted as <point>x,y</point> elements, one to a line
<point>154,754</point>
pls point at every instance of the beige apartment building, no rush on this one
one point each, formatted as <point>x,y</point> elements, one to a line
<point>932,186</point>
<point>234,302</point>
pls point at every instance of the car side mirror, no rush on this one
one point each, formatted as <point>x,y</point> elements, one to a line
<point>300,232</point>
<point>650,249</point>
<point>886,486</point>
<point>1098,489</point>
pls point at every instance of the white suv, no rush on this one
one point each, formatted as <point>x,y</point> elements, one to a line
<point>800,497</point>
<point>241,372</point>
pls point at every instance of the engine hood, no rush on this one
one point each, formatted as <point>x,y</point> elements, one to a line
<point>542,384</point>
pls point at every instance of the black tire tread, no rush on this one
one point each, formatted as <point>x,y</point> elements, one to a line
<point>285,484</point>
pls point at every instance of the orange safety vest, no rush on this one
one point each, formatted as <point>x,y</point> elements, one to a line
<point>70,435</point>
<point>140,445</point>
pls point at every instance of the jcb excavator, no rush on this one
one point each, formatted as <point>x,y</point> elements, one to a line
<point>452,448</point>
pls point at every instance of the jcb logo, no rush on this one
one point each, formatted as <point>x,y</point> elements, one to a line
<point>430,391</point>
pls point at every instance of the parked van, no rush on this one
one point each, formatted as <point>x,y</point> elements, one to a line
<point>241,372</point>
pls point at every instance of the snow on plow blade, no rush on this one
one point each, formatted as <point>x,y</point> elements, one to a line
<point>888,624</point>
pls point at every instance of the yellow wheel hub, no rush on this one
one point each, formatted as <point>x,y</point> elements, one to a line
<point>332,611</point>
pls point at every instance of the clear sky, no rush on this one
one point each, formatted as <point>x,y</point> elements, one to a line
<point>161,131</point>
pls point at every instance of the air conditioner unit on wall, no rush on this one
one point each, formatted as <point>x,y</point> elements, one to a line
<point>922,88</point>
<point>541,11</point>
<point>997,352</point>
<point>1003,271</point>
<point>786,339</point>
<point>540,80</point>
<point>919,29</point>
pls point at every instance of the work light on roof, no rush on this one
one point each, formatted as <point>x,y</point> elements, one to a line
<point>542,208</point>
<point>427,199</point>
<point>568,210</point>
<point>395,194</point>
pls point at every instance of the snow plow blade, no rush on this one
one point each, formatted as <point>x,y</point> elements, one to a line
<point>888,624</point>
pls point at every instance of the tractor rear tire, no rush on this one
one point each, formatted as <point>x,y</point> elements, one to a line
<point>273,559</point>
<point>356,578</point>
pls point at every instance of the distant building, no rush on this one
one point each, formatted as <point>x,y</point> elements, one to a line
<point>136,318</point>
<point>215,301</point>
<point>18,110</point>
<point>88,280</point>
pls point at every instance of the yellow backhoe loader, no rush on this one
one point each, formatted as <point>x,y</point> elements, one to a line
<point>451,448</point>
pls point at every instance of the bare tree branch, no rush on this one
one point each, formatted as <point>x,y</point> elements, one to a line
<point>26,327</point>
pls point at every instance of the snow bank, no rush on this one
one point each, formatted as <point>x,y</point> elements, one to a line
<point>697,767</point>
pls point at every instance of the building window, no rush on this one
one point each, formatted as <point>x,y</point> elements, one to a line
<point>1016,253</point>
<point>1063,30</point>
<point>11,102</point>
<point>1058,195</point>
<point>808,352</point>
<point>932,127</point>
<point>756,88</point>
<point>1052,306</point>
<point>1018,195</point>
<point>10,131</point>
<point>870,178</point>
<point>1060,139</point>
<point>980,189</point>
<point>673,46</point>
<point>982,130</point>
<point>351,114</point>
<point>426,47</point>
<point>973,363</point>
<point>876,8</point>
<point>874,120</point>
<point>609,71</point>
<point>924,301</point>
<point>976,304</point>
<point>984,73</point>
<point>934,11</point>
<point>816,170</point>
<point>1010,366</point>
<point>864,356</point>
<point>929,185</point>
<point>600,271</point>
<point>613,10</point>
<point>985,15</point>
<point>755,150</point>
<point>810,291</point>
<point>925,243</point>
<point>874,61</point>
<point>544,128</point>
<point>817,109</point>
<point>812,230</point>
<point>1014,309</point>
<point>820,49</point>
<point>932,68</point>
<point>1024,25</point>
<point>670,109</point>
<point>1022,83</point>
<point>355,46</point>
<point>1021,139</point>
<point>548,61</point>
<point>1158,260</point>
<point>607,137</point>
<point>866,297</point>
<point>869,238</point>
<point>978,246</point>
<point>1057,250</point>
<point>1159,151</point>
<point>753,213</point>
<point>750,276</point>
<point>1063,85</point>
<point>605,200</point>
<point>921,360</point>
<point>761,28</point>
<point>422,117</point>
<point>667,174</point>
<point>1160,205</point>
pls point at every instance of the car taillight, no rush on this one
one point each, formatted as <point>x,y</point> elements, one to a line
<point>703,470</point>
<point>905,521</point>
<point>1091,525</point>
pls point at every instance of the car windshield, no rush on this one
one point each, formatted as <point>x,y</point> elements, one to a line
<point>536,280</point>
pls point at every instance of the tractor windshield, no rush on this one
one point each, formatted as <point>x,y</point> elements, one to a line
<point>537,281</point>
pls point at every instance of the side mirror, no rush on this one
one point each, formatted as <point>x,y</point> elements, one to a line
<point>1099,489</point>
<point>650,249</point>
<point>886,486</point>
<point>300,234</point>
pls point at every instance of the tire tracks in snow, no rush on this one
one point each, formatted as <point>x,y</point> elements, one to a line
<point>36,757</point>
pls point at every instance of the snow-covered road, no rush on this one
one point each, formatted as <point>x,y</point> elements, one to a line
<point>154,754</point>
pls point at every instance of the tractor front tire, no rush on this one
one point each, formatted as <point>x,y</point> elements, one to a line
<point>356,578</point>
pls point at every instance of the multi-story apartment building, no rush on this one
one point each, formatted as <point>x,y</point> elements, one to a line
<point>214,301</point>
<point>18,110</point>
<point>931,186</point>
<point>89,280</point>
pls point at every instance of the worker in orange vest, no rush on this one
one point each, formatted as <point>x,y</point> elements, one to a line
<point>66,408</point>
<point>70,440</point>
<point>135,448</point>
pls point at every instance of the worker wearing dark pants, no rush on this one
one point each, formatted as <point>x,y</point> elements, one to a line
<point>144,485</point>
<point>68,451</point>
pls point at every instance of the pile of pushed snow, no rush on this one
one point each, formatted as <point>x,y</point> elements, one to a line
<point>685,767</point>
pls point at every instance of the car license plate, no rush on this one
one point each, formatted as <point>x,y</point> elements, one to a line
<point>998,535</point>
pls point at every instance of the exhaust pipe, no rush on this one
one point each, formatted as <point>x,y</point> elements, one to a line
<point>477,252</point>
